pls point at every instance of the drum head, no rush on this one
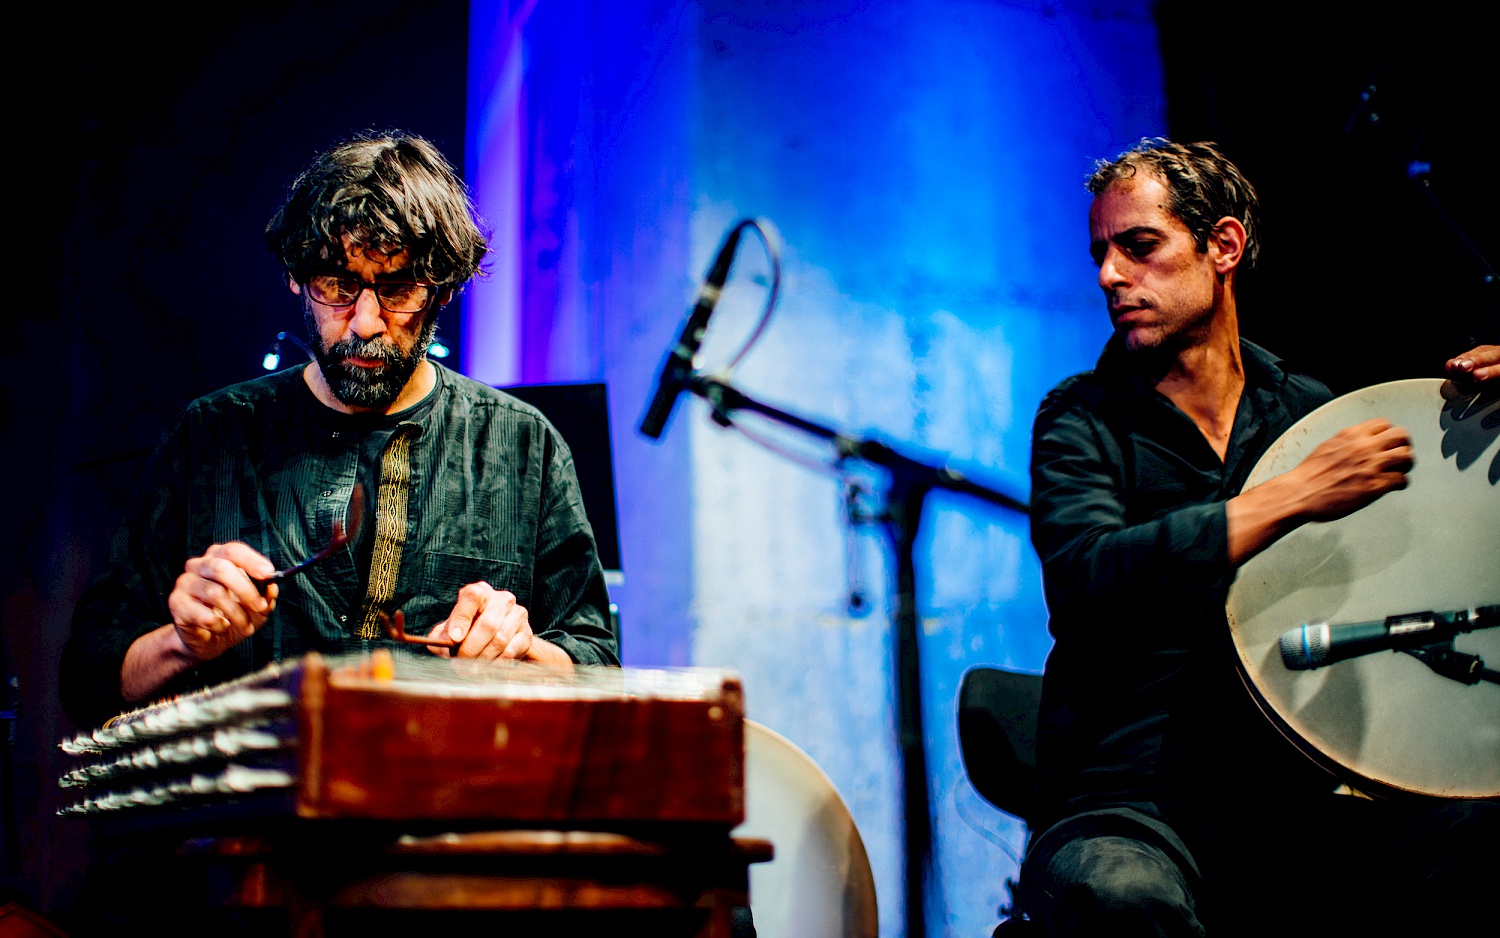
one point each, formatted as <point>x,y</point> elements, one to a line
<point>820,884</point>
<point>1386,719</point>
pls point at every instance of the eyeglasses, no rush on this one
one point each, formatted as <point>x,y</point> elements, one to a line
<point>394,296</point>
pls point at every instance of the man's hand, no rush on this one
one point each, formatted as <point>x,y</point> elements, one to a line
<point>1346,472</point>
<point>490,624</point>
<point>215,605</point>
<point>1477,365</point>
<point>1351,469</point>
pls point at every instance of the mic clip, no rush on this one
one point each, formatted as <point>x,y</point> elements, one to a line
<point>1444,659</point>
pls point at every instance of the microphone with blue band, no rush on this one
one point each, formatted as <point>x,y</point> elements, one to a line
<point>1318,644</point>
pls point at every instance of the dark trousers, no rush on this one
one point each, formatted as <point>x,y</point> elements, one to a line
<point>1345,867</point>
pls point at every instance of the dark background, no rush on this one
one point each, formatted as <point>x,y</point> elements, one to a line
<point>1359,280</point>
<point>146,158</point>
<point>148,152</point>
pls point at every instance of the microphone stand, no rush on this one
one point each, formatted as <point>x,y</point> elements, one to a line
<point>910,483</point>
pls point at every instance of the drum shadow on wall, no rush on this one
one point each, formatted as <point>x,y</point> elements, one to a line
<point>1385,721</point>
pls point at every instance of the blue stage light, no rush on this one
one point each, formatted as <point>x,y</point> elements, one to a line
<point>272,359</point>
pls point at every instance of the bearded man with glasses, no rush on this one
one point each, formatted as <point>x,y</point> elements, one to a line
<point>475,521</point>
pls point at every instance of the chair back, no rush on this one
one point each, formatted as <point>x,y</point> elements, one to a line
<point>997,719</point>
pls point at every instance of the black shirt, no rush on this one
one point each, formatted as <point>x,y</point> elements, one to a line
<point>1141,706</point>
<point>473,485</point>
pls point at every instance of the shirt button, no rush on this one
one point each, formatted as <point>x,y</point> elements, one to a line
<point>343,618</point>
<point>328,493</point>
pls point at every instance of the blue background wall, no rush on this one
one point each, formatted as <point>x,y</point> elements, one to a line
<point>924,162</point>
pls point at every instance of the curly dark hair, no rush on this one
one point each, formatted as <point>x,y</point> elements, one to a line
<point>1202,186</point>
<point>389,191</point>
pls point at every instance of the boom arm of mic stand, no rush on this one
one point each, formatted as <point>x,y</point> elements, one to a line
<point>934,477</point>
<point>724,399</point>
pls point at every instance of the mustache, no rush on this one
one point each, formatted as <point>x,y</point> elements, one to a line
<point>371,348</point>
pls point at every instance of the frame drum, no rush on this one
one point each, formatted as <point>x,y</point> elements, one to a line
<point>820,884</point>
<point>1385,721</point>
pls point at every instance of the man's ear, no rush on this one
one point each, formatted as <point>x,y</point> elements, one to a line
<point>445,296</point>
<point>1227,244</point>
<point>293,285</point>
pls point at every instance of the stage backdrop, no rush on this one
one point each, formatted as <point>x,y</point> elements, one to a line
<point>924,162</point>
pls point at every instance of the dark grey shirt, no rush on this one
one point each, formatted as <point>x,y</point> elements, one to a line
<point>1141,705</point>
<point>474,485</point>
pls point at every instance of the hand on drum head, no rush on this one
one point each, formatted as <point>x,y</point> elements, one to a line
<point>214,604</point>
<point>1351,469</point>
<point>1478,365</point>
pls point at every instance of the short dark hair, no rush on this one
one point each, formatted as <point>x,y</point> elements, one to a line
<point>1202,186</point>
<point>387,190</point>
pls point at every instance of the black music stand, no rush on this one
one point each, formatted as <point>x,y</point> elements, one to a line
<point>580,412</point>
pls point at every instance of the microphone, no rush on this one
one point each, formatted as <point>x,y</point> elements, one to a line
<point>1317,644</point>
<point>679,364</point>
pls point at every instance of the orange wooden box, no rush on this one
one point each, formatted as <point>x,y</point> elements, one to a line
<point>619,747</point>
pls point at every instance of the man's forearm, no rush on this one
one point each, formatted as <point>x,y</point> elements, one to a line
<point>1343,474</point>
<point>151,661</point>
<point>1260,517</point>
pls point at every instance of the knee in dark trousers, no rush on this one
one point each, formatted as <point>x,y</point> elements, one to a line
<point>1113,885</point>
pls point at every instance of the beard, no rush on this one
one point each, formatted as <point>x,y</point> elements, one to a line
<point>374,388</point>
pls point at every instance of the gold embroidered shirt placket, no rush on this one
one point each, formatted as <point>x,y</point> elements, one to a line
<point>390,528</point>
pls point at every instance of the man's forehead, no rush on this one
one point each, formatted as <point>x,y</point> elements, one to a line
<point>1140,202</point>
<point>367,257</point>
<point>372,249</point>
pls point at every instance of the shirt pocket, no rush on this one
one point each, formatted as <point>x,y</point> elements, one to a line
<point>443,575</point>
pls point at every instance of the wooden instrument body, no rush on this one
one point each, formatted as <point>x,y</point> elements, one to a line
<point>433,752</point>
<point>334,739</point>
<point>1384,721</point>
